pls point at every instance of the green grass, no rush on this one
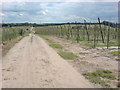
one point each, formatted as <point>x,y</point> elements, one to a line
<point>99,45</point>
<point>97,80</point>
<point>91,43</point>
<point>88,44</point>
<point>10,33</point>
<point>67,55</point>
<point>116,52</point>
<point>45,38</point>
<point>10,36</point>
<point>95,77</point>
<point>58,46</point>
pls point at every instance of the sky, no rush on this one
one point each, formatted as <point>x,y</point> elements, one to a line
<point>58,11</point>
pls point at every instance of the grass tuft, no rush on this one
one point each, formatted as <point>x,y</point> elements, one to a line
<point>45,38</point>
<point>95,77</point>
<point>58,46</point>
<point>116,52</point>
<point>67,55</point>
<point>98,80</point>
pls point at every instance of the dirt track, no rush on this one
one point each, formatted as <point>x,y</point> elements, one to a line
<point>31,63</point>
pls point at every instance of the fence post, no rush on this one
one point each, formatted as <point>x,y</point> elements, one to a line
<point>101,30</point>
<point>78,36</point>
<point>65,30</point>
<point>83,33</point>
<point>116,31</point>
<point>61,30</point>
<point>94,36</point>
<point>86,29</point>
<point>104,31</point>
<point>108,37</point>
<point>71,35</point>
<point>68,33</point>
<point>58,30</point>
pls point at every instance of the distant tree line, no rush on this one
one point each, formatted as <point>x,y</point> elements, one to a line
<point>110,23</point>
<point>50,24</point>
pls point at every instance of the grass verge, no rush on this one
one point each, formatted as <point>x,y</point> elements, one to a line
<point>58,46</point>
<point>99,45</point>
<point>99,76</point>
<point>9,45</point>
<point>116,52</point>
<point>45,38</point>
<point>85,42</point>
<point>67,55</point>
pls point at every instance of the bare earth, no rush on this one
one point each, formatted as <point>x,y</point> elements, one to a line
<point>31,63</point>
<point>89,59</point>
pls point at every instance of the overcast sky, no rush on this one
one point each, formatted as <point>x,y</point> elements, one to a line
<point>60,11</point>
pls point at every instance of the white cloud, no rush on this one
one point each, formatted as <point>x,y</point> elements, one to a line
<point>58,12</point>
<point>21,14</point>
<point>2,14</point>
<point>43,12</point>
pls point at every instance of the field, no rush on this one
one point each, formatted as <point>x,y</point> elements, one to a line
<point>76,52</point>
<point>91,35</point>
<point>59,44</point>
<point>98,36</point>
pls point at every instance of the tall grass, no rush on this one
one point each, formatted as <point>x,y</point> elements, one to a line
<point>9,33</point>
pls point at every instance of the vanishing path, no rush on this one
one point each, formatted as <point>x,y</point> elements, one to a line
<point>31,63</point>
